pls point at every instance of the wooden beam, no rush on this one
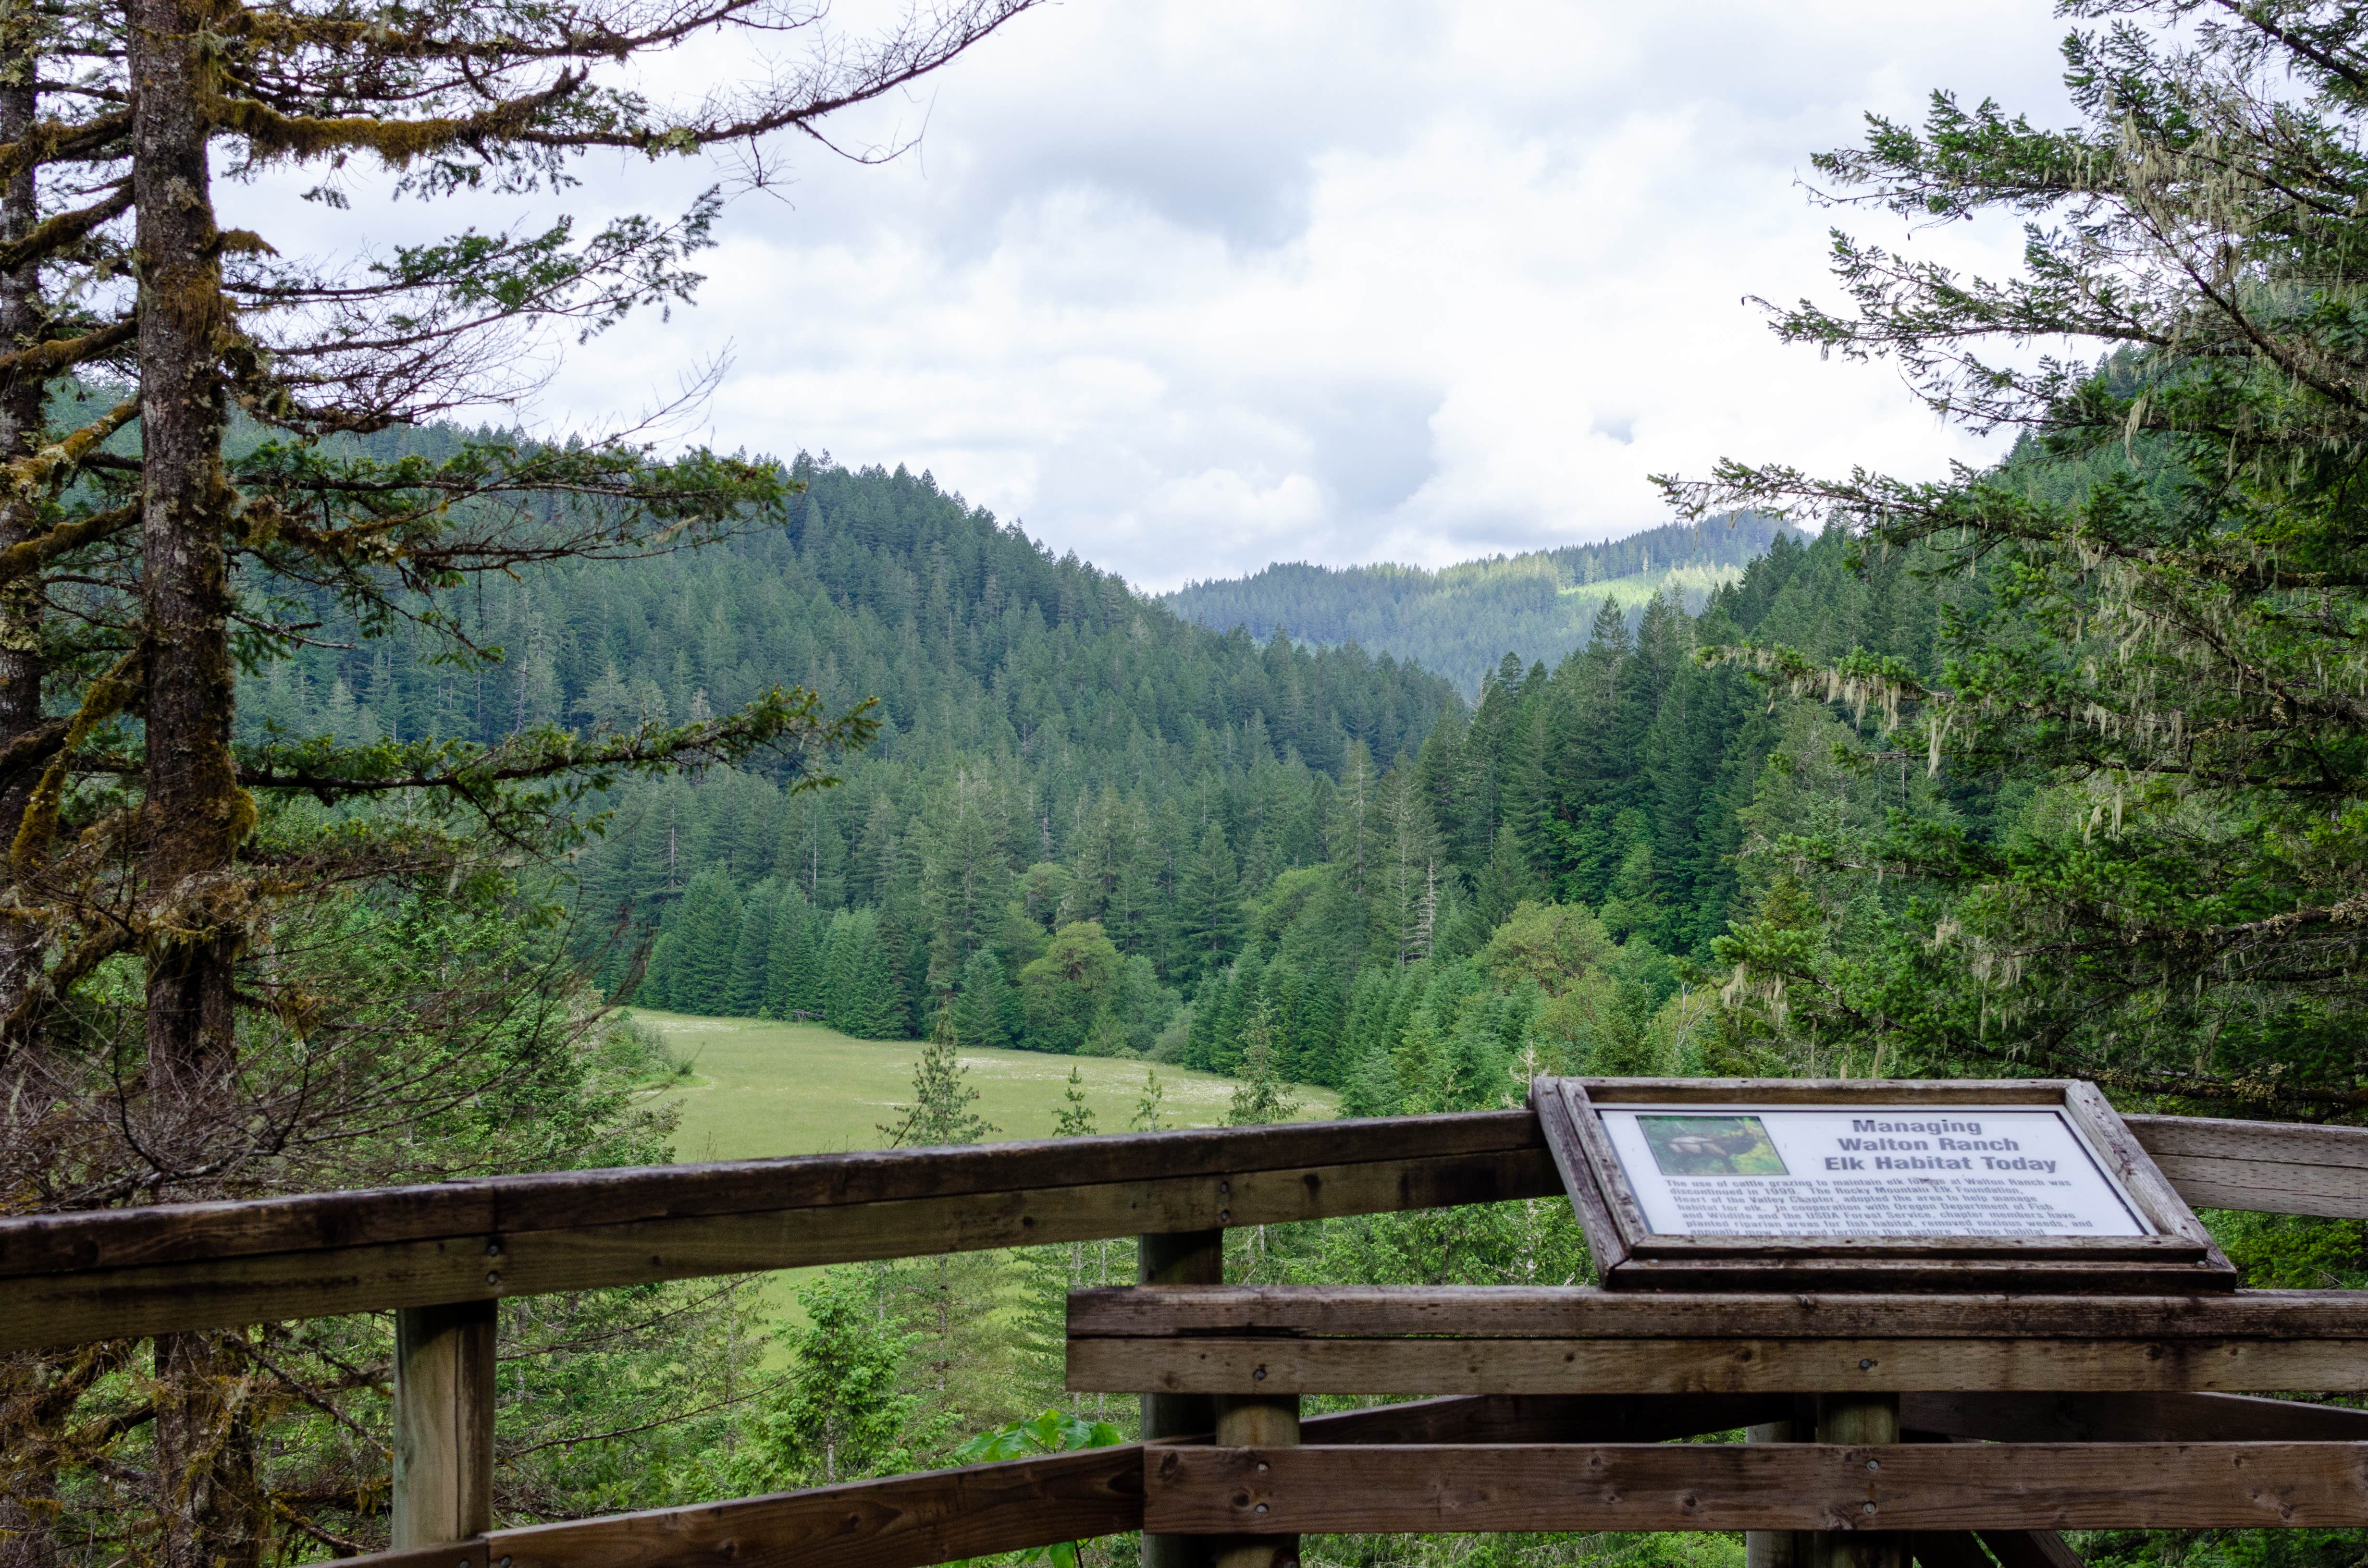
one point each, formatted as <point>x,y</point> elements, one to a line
<point>1855,1421</point>
<point>1546,1418</point>
<point>2270,1167</point>
<point>1756,1486</point>
<point>1783,1549</point>
<point>902,1522</point>
<point>2128,1418</point>
<point>1725,1366</point>
<point>911,1520</point>
<point>578,1200</point>
<point>1508,1340</point>
<point>443,1422</point>
<point>43,1308</point>
<point>1559,1127</point>
<point>65,1278</point>
<point>1512,1311</point>
<point>1826,1091</point>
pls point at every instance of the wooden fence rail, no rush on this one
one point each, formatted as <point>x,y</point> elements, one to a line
<point>74,1278</point>
<point>441,1254</point>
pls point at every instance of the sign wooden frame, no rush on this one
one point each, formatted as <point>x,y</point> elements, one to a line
<point>2178,1258</point>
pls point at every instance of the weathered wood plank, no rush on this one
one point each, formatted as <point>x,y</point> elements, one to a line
<point>1547,1418</point>
<point>443,1422</point>
<point>69,1309</point>
<point>1559,1127</point>
<point>2267,1160</point>
<point>562,1200</point>
<point>2336,1192</point>
<point>47,1309</point>
<point>902,1522</point>
<point>907,1521</point>
<point>1983,1269</point>
<point>1548,1311</point>
<point>470,1553</point>
<point>1721,1366</point>
<point>1189,1257</point>
<point>2128,1161</point>
<point>2273,1143</point>
<point>2268,1166</point>
<point>2128,1418</point>
<point>1773,1486</point>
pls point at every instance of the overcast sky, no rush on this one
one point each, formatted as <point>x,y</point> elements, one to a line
<point>1192,286</point>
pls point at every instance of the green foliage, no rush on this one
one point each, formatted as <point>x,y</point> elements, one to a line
<point>1075,1118</point>
<point>1260,1097</point>
<point>1053,1432</point>
<point>2152,616</point>
<point>941,1113</point>
<point>846,1412</point>
<point>1070,992</point>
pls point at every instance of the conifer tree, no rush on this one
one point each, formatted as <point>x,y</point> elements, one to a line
<point>949,1302</point>
<point>986,1005</point>
<point>752,950</point>
<point>196,854</point>
<point>1404,857</point>
<point>705,930</point>
<point>2166,646</point>
<point>1148,1106</point>
<point>869,1001</point>
<point>785,987</point>
<point>847,1411</point>
<point>942,1096</point>
<point>1208,902</point>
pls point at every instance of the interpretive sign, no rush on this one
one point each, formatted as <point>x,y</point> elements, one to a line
<point>1885,1170</point>
<point>1786,1184</point>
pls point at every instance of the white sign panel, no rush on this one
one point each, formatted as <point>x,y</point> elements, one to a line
<point>1899,1171</point>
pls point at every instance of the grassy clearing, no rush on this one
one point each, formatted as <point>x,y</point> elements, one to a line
<point>761,1089</point>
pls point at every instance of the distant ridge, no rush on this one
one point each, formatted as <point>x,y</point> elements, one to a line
<point>1460,620</point>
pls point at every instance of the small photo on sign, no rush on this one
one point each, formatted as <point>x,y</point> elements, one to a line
<point>1710,1145</point>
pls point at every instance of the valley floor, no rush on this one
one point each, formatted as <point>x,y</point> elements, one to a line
<point>763,1089</point>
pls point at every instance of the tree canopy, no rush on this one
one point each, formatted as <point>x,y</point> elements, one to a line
<point>2162,631</point>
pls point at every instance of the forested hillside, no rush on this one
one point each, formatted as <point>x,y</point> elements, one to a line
<point>1051,741</point>
<point>1460,621</point>
<point>1090,827</point>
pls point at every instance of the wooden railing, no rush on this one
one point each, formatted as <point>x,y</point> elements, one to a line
<point>443,1255</point>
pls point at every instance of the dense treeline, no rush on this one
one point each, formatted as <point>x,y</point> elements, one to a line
<point>1036,714</point>
<point>1602,813</point>
<point>1090,827</point>
<point>1460,621</point>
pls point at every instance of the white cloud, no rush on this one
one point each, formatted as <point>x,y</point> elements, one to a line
<point>1193,284</point>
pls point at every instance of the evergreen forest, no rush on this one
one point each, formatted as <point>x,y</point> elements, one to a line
<point>1458,621</point>
<point>1090,827</point>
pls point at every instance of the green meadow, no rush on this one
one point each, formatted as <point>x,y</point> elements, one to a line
<point>758,1088</point>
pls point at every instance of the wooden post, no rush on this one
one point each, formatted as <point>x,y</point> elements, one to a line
<point>1258,1421</point>
<point>443,1422</point>
<point>1771,1549</point>
<point>1183,1257</point>
<point>1856,1419</point>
